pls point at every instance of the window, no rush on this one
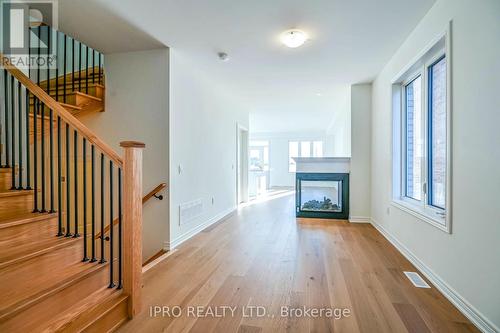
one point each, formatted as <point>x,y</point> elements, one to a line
<point>318,149</point>
<point>421,138</point>
<point>303,149</point>
<point>259,155</point>
<point>437,133</point>
<point>293,151</point>
<point>414,140</point>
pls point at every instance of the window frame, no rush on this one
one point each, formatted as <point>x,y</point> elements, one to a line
<point>422,209</point>
<point>299,150</point>
<point>433,62</point>
<point>404,118</point>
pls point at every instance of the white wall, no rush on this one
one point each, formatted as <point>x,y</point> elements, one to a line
<point>278,153</point>
<point>468,260</point>
<point>359,189</point>
<point>203,138</point>
<point>137,109</point>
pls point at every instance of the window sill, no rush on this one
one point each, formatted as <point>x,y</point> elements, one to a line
<point>419,213</point>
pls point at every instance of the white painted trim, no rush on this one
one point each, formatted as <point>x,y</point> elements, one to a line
<point>418,212</point>
<point>190,233</point>
<point>359,219</point>
<point>469,311</point>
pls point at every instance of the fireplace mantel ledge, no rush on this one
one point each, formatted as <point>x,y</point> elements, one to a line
<point>323,164</point>
<point>321,159</point>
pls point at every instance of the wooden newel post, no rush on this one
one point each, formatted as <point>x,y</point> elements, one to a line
<point>132,224</point>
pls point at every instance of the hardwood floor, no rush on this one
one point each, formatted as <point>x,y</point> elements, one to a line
<point>262,256</point>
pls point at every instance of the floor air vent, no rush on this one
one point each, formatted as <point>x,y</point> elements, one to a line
<point>416,279</point>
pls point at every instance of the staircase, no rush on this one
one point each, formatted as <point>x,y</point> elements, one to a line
<point>61,188</point>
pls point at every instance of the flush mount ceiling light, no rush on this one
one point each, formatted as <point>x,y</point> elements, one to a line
<point>293,38</point>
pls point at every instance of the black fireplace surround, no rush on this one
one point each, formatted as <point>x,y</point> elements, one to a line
<point>322,195</point>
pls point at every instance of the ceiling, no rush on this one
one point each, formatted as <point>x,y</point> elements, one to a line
<point>285,89</point>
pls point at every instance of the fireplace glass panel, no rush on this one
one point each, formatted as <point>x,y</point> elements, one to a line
<point>321,196</point>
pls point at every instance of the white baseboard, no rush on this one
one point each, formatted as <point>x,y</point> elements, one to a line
<point>477,318</point>
<point>359,219</point>
<point>190,233</point>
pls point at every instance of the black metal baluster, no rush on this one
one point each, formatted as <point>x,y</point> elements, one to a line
<point>72,65</point>
<point>20,133</point>
<point>84,152</point>
<point>42,153</point>
<point>92,168</point>
<point>59,179</point>
<point>75,160</point>
<point>29,53</point>
<point>28,166</point>
<point>68,195</point>
<point>6,123</point>
<point>93,66</point>
<point>13,130</point>
<point>57,65</point>
<point>120,228</point>
<point>80,66</point>
<point>86,69</point>
<point>103,260</point>
<point>64,67</point>
<point>111,226</point>
<point>51,160</point>
<point>99,68</point>
<point>38,51</point>
<point>48,52</point>
<point>35,155</point>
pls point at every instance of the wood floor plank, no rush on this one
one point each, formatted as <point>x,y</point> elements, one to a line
<point>263,256</point>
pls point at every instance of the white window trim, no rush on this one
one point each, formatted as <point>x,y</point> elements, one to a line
<point>421,209</point>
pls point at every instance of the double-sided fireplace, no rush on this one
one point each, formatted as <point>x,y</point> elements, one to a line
<point>322,195</point>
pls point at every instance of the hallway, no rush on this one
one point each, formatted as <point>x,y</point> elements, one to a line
<point>260,256</point>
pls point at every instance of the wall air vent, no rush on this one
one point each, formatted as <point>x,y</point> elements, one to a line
<point>188,211</point>
<point>416,279</point>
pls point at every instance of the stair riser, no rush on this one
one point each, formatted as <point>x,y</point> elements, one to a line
<point>51,307</point>
<point>110,321</point>
<point>5,181</point>
<point>12,206</point>
<point>38,231</point>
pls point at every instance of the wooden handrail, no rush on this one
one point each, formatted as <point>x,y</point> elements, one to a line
<point>148,196</point>
<point>60,110</point>
<point>156,190</point>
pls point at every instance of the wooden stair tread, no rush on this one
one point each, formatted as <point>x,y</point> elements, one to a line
<point>76,92</point>
<point>15,193</point>
<point>25,217</point>
<point>33,249</point>
<point>70,86</point>
<point>83,313</point>
<point>87,96</point>
<point>71,106</point>
<point>55,271</point>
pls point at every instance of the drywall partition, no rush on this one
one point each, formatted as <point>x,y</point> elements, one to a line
<point>203,142</point>
<point>466,263</point>
<point>137,109</point>
<point>359,181</point>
